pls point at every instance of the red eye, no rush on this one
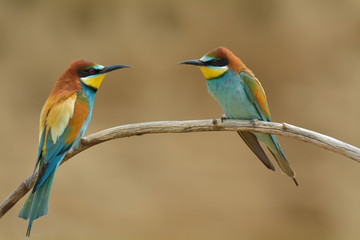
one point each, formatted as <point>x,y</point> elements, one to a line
<point>91,71</point>
<point>214,62</point>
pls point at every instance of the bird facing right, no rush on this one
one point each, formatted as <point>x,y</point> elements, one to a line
<point>63,121</point>
<point>241,96</point>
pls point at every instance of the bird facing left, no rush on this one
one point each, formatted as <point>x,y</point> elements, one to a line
<point>63,121</point>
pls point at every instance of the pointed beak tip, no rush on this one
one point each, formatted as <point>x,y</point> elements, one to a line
<point>126,66</point>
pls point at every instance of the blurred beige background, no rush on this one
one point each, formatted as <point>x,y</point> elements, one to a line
<point>185,186</point>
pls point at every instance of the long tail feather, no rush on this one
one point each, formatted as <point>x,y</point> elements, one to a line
<point>282,160</point>
<point>284,165</point>
<point>272,144</point>
<point>37,203</point>
<point>253,143</point>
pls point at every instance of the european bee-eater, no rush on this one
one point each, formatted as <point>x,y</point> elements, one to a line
<point>63,121</point>
<point>241,96</point>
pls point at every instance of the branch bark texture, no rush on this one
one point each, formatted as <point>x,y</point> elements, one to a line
<point>137,129</point>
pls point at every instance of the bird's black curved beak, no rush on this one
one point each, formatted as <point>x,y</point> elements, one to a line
<point>195,62</point>
<point>113,67</point>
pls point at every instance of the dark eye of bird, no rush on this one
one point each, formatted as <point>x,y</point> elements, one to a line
<point>91,71</point>
<point>87,72</point>
<point>214,62</point>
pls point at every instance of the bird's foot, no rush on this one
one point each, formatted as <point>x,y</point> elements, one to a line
<point>253,122</point>
<point>224,117</point>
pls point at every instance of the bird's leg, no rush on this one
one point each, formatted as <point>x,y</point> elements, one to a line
<point>253,122</point>
<point>223,118</point>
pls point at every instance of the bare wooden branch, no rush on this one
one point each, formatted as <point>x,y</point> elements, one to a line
<point>137,129</point>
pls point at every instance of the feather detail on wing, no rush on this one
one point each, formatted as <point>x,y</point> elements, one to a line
<point>55,143</point>
<point>256,93</point>
<point>56,114</point>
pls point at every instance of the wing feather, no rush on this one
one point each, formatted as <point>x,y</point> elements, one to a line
<point>59,116</point>
<point>256,93</point>
<point>251,140</point>
<point>62,125</point>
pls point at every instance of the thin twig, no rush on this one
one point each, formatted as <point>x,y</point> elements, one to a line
<point>137,129</point>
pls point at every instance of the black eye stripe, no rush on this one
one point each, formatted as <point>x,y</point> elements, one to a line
<point>218,63</point>
<point>88,72</point>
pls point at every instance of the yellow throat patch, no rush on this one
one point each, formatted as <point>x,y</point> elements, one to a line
<point>93,81</point>
<point>213,72</point>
